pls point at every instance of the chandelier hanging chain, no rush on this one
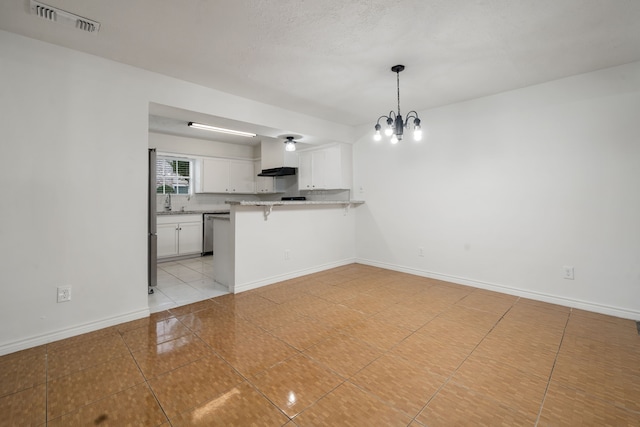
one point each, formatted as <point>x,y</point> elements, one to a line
<point>398,86</point>
<point>395,125</point>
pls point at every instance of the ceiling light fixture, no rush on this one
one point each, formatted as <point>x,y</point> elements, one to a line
<point>290,144</point>
<point>395,125</point>
<point>221,130</point>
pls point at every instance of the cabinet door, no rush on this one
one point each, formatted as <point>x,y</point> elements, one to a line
<point>241,177</point>
<point>215,176</point>
<point>304,171</point>
<point>190,238</point>
<point>167,240</point>
<point>318,169</point>
<point>332,168</point>
<point>264,184</point>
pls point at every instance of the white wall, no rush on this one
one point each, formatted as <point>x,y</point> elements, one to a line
<point>200,147</point>
<point>74,139</point>
<point>506,190</point>
<point>317,237</point>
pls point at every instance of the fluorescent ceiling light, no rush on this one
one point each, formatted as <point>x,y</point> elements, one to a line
<point>221,130</point>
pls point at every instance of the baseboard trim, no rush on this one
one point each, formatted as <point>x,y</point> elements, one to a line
<point>553,299</point>
<point>49,337</point>
<point>291,275</point>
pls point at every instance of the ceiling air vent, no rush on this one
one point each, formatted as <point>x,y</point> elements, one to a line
<point>63,17</point>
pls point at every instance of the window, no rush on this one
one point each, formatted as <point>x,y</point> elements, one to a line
<point>173,175</point>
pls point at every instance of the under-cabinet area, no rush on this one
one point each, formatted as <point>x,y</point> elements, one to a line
<point>179,235</point>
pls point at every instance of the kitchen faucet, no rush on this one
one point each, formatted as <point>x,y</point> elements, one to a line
<point>167,202</point>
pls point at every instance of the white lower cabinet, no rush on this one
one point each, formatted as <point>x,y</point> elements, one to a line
<point>179,235</point>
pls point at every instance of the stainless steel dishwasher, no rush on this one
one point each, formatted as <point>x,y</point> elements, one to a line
<point>207,234</point>
<point>207,231</point>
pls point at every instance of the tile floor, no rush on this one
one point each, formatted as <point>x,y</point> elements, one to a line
<point>184,282</point>
<point>355,345</point>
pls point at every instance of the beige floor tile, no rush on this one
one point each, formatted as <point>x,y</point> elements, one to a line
<point>307,305</point>
<point>135,406</point>
<point>543,316</point>
<point>603,328</point>
<point>210,317</point>
<point>492,302</point>
<point>367,304</point>
<point>343,354</point>
<point>455,405</point>
<point>70,392</point>
<point>377,334</point>
<point>194,384</point>
<point>470,317</point>
<point>522,334</point>
<point>465,335</point>
<point>192,308</point>
<point>21,371</point>
<point>304,333</point>
<point>170,355</point>
<point>399,383</point>
<point>610,382</point>
<point>228,334</point>
<point>599,353</point>
<point>273,317</point>
<point>296,383</point>
<point>436,354</point>
<point>78,339</point>
<point>81,355</point>
<point>281,294</point>
<point>404,317</point>
<point>155,333</point>
<point>532,357</point>
<point>564,406</point>
<point>509,386</point>
<point>240,406</point>
<point>256,353</point>
<point>339,316</point>
<point>24,408</point>
<point>348,405</point>
<point>331,293</point>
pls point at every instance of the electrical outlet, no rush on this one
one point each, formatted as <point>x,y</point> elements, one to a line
<point>64,293</point>
<point>568,272</point>
<point>421,251</point>
<point>287,254</point>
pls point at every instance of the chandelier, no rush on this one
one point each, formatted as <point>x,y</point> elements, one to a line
<point>395,125</point>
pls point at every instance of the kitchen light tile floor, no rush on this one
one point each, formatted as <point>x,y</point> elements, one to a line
<point>353,346</point>
<point>184,282</point>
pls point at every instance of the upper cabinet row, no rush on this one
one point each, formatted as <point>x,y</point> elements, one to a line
<point>324,168</point>
<point>225,176</point>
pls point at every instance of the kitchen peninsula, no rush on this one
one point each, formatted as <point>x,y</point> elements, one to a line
<point>265,242</point>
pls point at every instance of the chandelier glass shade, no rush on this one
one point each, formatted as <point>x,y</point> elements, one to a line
<point>394,123</point>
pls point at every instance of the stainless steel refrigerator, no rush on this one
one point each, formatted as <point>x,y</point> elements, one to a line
<point>152,244</point>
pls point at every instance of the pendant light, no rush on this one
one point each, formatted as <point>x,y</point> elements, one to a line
<point>290,144</point>
<point>395,125</point>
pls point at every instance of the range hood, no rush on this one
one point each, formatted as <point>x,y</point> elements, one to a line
<point>283,171</point>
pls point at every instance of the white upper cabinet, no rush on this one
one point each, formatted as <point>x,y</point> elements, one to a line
<point>326,168</point>
<point>273,155</point>
<point>264,184</point>
<point>225,176</point>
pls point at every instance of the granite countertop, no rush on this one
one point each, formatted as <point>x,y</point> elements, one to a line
<point>293,202</point>
<point>211,211</point>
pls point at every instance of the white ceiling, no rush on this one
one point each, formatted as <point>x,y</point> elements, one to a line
<point>331,58</point>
